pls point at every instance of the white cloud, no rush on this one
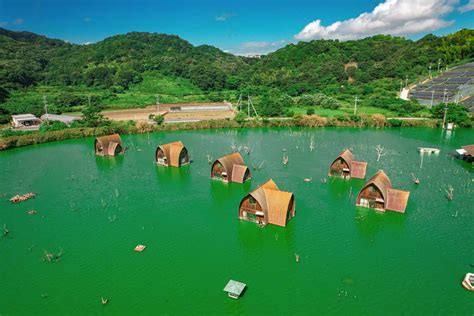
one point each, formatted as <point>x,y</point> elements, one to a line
<point>394,17</point>
<point>87,19</point>
<point>223,17</point>
<point>18,21</point>
<point>258,48</point>
<point>87,43</point>
<point>467,7</point>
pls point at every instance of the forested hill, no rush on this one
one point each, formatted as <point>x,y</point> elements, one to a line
<point>121,62</point>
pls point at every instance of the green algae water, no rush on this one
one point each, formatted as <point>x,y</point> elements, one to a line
<point>351,260</point>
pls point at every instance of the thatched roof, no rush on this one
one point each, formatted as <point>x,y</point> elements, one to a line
<point>229,161</point>
<point>274,202</point>
<point>358,169</point>
<point>109,143</point>
<point>172,152</point>
<point>346,155</point>
<point>381,181</point>
<point>397,200</point>
<point>238,173</point>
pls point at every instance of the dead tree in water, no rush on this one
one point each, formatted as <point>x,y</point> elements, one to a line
<point>247,149</point>
<point>258,168</point>
<point>5,230</point>
<point>311,144</point>
<point>449,192</point>
<point>51,257</point>
<point>380,152</point>
<point>209,159</point>
<point>415,179</point>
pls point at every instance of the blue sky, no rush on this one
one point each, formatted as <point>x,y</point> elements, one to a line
<point>238,26</point>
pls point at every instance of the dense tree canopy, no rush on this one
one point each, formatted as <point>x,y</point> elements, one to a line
<point>320,73</point>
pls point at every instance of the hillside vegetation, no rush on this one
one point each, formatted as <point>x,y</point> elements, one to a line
<point>131,70</point>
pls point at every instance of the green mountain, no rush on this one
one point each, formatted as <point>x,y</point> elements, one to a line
<point>136,65</point>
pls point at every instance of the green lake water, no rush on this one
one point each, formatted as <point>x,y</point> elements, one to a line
<point>352,261</point>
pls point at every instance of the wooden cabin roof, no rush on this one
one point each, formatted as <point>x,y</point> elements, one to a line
<point>278,202</point>
<point>238,173</point>
<point>358,169</point>
<point>172,152</point>
<point>346,155</point>
<point>273,201</point>
<point>381,181</point>
<point>469,150</point>
<point>397,200</point>
<point>109,143</point>
<point>229,161</point>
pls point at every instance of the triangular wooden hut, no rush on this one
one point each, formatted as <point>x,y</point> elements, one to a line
<point>172,154</point>
<point>346,167</point>
<point>268,205</point>
<point>230,168</point>
<point>378,194</point>
<point>109,145</point>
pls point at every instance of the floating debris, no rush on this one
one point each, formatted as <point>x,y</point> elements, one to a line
<point>139,248</point>
<point>104,300</point>
<point>32,212</point>
<point>20,198</point>
<point>297,257</point>
<point>285,159</point>
<point>308,179</point>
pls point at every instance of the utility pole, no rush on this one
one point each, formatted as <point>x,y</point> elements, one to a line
<point>239,102</point>
<point>439,64</point>
<point>158,104</point>
<point>431,77</point>
<point>432,97</point>
<point>355,105</point>
<point>46,108</point>
<point>406,81</point>
<point>401,86</point>
<point>445,99</point>
<point>248,105</point>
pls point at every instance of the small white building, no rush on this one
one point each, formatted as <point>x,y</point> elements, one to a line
<point>59,118</point>
<point>25,120</point>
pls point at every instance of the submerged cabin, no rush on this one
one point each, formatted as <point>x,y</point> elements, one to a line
<point>466,153</point>
<point>235,288</point>
<point>378,194</point>
<point>230,168</point>
<point>173,154</point>
<point>110,145</point>
<point>268,205</point>
<point>346,167</point>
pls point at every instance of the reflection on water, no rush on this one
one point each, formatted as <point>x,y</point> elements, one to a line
<point>370,222</point>
<point>105,162</point>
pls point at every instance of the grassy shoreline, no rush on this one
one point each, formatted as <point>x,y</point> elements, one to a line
<point>130,127</point>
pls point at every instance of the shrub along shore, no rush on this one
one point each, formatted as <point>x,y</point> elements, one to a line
<point>15,140</point>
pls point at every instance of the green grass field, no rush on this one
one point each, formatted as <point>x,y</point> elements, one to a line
<point>342,111</point>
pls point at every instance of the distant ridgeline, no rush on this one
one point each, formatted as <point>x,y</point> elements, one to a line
<point>120,62</point>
